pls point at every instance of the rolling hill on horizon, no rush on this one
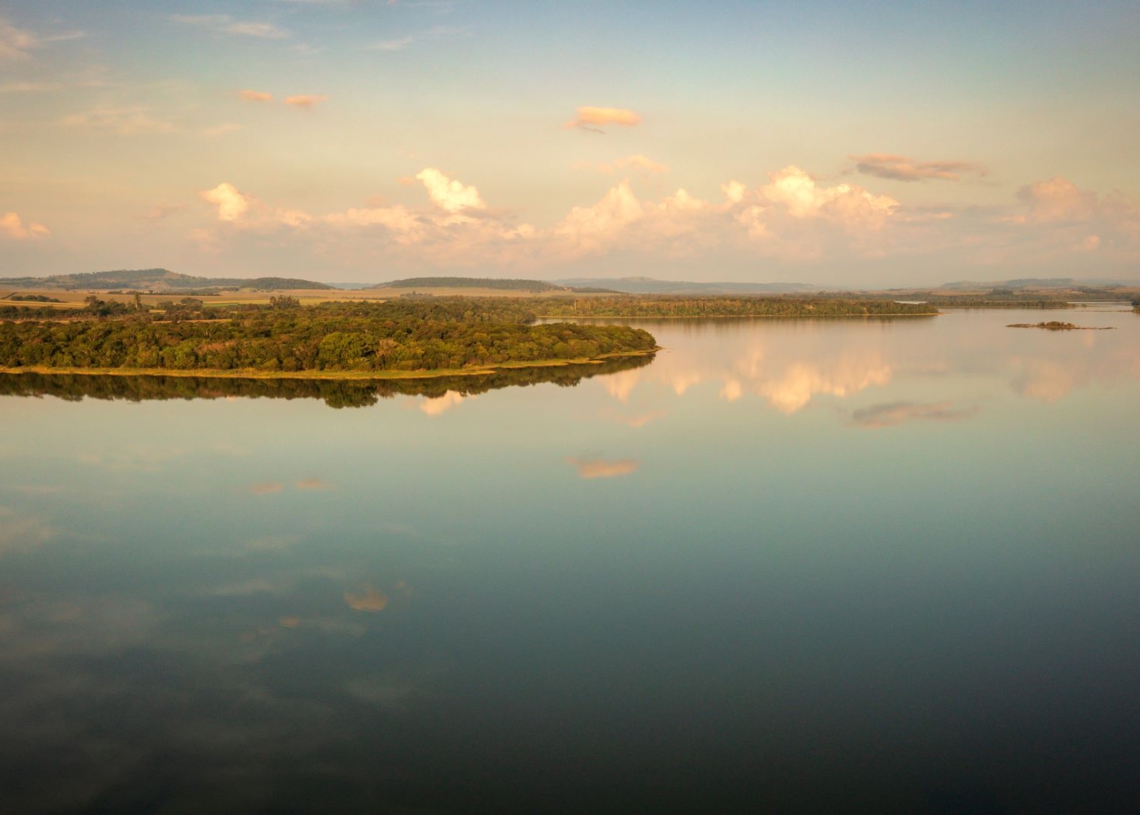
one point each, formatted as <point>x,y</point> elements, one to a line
<point>158,280</point>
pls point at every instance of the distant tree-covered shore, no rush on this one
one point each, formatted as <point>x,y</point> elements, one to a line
<point>723,306</point>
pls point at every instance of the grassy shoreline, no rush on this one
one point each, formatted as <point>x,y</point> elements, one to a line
<point>247,373</point>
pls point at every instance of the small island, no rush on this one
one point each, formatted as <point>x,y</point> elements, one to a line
<point>1054,325</point>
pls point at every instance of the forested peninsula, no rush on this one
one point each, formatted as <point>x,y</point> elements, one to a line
<point>397,338</point>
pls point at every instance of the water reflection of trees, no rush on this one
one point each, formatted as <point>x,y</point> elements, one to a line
<point>335,393</point>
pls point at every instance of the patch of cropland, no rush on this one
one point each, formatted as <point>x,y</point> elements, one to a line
<point>676,306</point>
<point>442,334</point>
<point>158,280</point>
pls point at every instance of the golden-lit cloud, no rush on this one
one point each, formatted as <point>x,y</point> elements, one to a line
<point>902,168</point>
<point>255,96</point>
<point>12,226</point>
<point>305,101</point>
<point>231,204</point>
<point>603,468</point>
<point>315,485</point>
<point>367,599</point>
<point>449,194</point>
<point>289,621</point>
<point>802,197</point>
<point>593,118</point>
<point>1058,199</point>
<point>896,413</point>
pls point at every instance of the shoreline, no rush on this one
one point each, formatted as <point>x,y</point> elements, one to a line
<point>365,376</point>
<point>736,316</point>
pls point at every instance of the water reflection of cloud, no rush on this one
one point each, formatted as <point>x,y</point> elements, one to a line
<point>265,488</point>
<point>602,468</point>
<point>801,382</point>
<point>367,598</point>
<point>21,532</point>
<point>441,404</point>
<point>896,413</point>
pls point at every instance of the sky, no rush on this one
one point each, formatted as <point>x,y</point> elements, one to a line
<point>835,143</point>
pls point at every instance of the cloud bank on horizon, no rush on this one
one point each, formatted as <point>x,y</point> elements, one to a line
<point>279,139</point>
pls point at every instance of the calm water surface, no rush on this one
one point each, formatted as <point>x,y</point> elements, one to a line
<point>808,565</point>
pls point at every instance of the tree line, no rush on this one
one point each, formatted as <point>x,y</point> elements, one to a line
<point>724,306</point>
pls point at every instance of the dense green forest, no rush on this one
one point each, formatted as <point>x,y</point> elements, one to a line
<point>681,306</point>
<point>399,335</point>
<point>337,393</point>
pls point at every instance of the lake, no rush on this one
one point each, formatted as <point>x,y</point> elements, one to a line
<point>850,564</point>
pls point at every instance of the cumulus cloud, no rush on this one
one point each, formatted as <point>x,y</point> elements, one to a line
<point>1058,199</point>
<point>231,204</point>
<point>305,101</point>
<point>896,413</point>
<point>594,119</point>
<point>448,193</point>
<point>799,193</point>
<point>255,96</point>
<point>902,168</point>
<point>601,468</point>
<point>225,24</point>
<point>12,226</point>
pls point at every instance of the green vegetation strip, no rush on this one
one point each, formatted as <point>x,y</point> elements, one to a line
<point>708,307</point>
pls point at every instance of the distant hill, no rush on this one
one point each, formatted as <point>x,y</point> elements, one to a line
<point>154,280</point>
<point>649,285</point>
<point>1037,283</point>
<point>505,284</point>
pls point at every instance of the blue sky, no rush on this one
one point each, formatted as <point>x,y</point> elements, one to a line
<point>836,143</point>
